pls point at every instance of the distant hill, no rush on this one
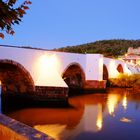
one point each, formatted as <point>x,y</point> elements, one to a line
<point>109,48</point>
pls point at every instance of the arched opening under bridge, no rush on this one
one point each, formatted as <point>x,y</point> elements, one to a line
<point>74,76</point>
<point>106,75</point>
<point>120,68</point>
<point>105,72</point>
<point>15,78</point>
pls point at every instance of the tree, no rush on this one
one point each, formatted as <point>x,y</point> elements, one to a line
<point>11,15</point>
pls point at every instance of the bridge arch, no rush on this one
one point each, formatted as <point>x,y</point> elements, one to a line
<point>105,72</point>
<point>120,68</point>
<point>15,78</point>
<point>74,76</point>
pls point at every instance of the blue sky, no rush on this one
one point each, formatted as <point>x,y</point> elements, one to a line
<point>58,23</point>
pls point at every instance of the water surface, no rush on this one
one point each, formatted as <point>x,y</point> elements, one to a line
<point>114,115</point>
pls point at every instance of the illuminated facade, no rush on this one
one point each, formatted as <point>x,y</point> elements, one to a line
<point>56,71</point>
<point>132,56</point>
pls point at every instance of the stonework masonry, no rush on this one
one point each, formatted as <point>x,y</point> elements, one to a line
<point>51,93</point>
<point>15,130</point>
<point>95,85</point>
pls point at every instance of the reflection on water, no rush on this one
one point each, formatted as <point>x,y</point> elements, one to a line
<point>112,103</point>
<point>126,120</point>
<point>99,121</point>
<point>52,130</point>
<point>124,101</point>
<point>113,115</point>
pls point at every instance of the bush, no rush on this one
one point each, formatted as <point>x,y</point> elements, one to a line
<point>125,80</point>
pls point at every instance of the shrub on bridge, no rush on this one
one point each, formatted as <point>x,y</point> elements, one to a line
<point>125,80</point>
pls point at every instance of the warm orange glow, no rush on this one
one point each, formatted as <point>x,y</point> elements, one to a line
<point>48,71</point>
<point>112,102</point>
<point>47,63</point>
<point>126,55</point>
<point>9,134</point>
<point>124,102</point>
<point>99,121</point>
<point>125,120</point>
<point>138,62</point>
<point>51,130</point>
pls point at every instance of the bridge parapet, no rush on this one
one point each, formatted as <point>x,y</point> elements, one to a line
<point>58,70</point>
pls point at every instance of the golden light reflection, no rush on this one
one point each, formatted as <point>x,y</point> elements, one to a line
<point>99,121</point>
<point>124,102</point>
<point>51,130</point>
<point>125,120</point>
<point>112,102</point>
<point>126,55</point>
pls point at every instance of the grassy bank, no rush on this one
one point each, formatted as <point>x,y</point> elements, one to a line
<point>125,80</point>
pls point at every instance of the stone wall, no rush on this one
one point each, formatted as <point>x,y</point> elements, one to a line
<point>51,93</point>
<point>15,130</point>
<point>15,78</point>
<point>95,85</point>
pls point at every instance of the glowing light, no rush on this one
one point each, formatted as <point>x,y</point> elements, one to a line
<point>124,102</point>
<point>47,62</point>
<point>51,130</point>
<point>126,120</point>
<point>99,121</point>
<point>48,71</point>
<point>126,55</point>
<point>112,102</point>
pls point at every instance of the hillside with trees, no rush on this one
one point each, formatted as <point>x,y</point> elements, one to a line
<point>109,48</point>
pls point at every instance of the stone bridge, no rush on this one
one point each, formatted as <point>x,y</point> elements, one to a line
<point>50,74</point>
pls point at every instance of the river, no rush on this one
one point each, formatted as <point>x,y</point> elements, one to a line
<point>114,115</point>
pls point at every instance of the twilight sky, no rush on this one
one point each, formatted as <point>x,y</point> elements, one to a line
<point>58,23</point>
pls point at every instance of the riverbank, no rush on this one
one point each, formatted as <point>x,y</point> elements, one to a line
<point>126,81</point>
<point>10,129</point>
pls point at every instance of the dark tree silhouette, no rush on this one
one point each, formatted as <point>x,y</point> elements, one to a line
<point>11,15</point>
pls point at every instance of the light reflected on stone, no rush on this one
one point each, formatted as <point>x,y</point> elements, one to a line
<point>47,67</point>
<point>9,134</point>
